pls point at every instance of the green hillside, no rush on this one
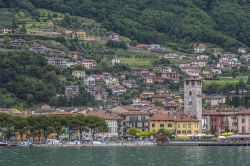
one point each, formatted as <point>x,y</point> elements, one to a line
<point>225,23</point>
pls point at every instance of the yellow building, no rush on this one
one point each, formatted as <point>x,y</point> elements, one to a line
<point>179,124</point>
<point>81,35</point>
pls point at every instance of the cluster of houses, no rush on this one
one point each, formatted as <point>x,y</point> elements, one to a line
<point>120,118</point>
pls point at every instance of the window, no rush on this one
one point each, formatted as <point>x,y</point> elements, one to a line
<point>178,131</point>
<point>179,126</point>
<point>243,129</point>
<point>193,83</point>
<point>190,93</point>
<point>161,125</point>
<point>243,120</point>
<point>183,125</point>
<point>189,132</point>
<point>153,125</point>
<point>183,131</point>
<point>170,125</point>
<point>187,82</point>
<point>189,125</point>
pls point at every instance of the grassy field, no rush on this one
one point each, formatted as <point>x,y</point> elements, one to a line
<point>137,62</point>
<point>223,81</point>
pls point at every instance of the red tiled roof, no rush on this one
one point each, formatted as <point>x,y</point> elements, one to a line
<point>104,115</point>
<point>172,117</point>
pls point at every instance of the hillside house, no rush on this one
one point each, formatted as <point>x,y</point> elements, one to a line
<point>144,72</point>
<point>6,30</point>
<point>242,50</point>
<point>191,71</point>
<point>57,61</point>
<point>202,58</point>
<point>130,83</point>
<point>17,42</point>
<point>200,64</point>
<point>64,31</point>
<point>149,80</point>
<point>89,63</point>
<point>111,81</point>
<point>173,56</point>
<point>156,47</point>
<point>115,61</point>
<point>74,55</point>
<point>170,76</point>
<point>215,100</point>
<point>158,80</point>
<point>207,73</point>
<point>199,47</point>
<point>114,37</point>
<point>118,90</point>
<point>71,91</point>
<point>90,81</point>
<point>81,35</point>
<point>78,74</point>
<point>39,49</point>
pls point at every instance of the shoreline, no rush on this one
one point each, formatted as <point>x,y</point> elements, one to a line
<point>146,145</point>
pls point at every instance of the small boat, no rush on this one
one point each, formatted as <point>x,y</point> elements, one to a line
<point>24,144</point>
<point>3,144</point>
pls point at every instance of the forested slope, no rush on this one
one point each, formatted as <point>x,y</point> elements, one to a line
<point>225,23</point>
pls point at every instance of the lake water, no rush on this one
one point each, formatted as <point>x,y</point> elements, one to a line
<point>126,156</point>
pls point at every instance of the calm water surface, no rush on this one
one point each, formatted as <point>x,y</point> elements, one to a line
<point>126,156</point>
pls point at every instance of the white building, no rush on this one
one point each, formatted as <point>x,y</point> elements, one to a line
<point>90,81</point>
<point>115,61</point>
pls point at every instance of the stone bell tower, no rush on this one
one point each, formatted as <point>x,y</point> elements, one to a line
<point>193,98</point>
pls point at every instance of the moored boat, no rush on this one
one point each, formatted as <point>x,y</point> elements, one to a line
<point>3,144</point>
<point>24,144</point>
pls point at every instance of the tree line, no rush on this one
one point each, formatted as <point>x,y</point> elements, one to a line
<point>41,126</point>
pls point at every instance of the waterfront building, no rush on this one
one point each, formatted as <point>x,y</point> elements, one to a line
<point>112,120</point>
<point>176,123</point>
<point>243,120</point>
